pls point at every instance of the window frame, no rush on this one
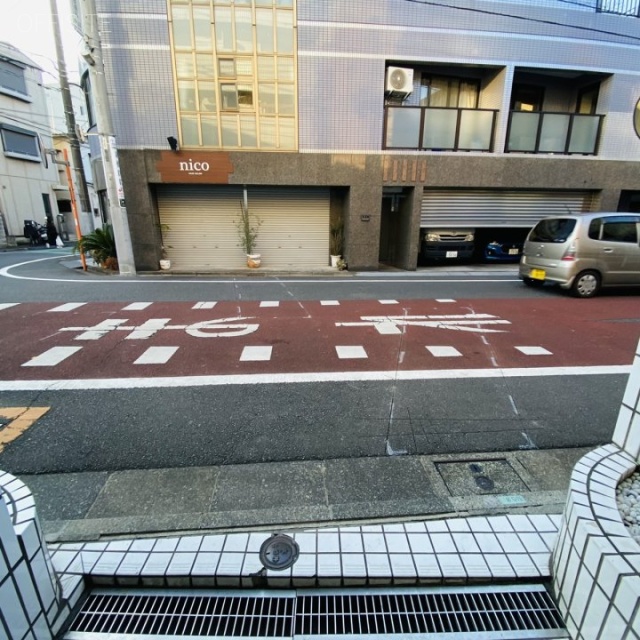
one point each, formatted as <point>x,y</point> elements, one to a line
<point>5,72</point>
<point>17,155</point>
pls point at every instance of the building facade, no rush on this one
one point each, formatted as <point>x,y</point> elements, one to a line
<point>384,119</point>
<point>28,176</point>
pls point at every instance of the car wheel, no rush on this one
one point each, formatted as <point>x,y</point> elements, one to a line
<point>530,282</point>
<point>586,284</point>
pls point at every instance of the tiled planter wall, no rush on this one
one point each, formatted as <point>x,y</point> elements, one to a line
<point>596,563</point>
<point>32,599</point>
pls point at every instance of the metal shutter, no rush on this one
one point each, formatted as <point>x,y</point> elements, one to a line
<point>199,227</point>
<point>475,208</point>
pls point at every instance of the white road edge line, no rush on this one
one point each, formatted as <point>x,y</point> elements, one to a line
<point>290,378</point>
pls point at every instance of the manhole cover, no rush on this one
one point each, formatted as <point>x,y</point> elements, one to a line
<point>481,477</point>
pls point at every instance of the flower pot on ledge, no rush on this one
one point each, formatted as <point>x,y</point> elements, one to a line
<point>334,261</point>
<point>253,260</point>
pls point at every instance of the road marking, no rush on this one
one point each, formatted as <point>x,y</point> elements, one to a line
<point>137,306</point>
<point>329,303</point>
<point>472,322</point>
<point>97,331</point>
<point>21,419</point>
<point>445,300</point>
<point>52,357</point>
<point>148,329</point>
<point>270,303</point>
<point>387,328</point>
<point>444,352</point>
<point>69,306</point>
<point>165,382</point>
<point>349,353</point>
<point>156,355</point>
<point>8,305</point>
<point>222,328</point>
<point>534,351</point>
<point>513,405</point>
<point>256,354</point>
<point>204,305</point>
<point>388,301</point>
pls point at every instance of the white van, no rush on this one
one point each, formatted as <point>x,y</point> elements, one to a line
<point>583,252</point>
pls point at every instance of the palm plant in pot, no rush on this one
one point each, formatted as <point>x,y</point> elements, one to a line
<point>100,244</point>
<point>336,239</point>
<point>248,233</point>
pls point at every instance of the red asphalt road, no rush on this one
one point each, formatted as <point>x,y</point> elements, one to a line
<point>304,336</point>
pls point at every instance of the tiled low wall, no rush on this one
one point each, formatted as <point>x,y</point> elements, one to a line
<point>596,562</point>
<point>33,601</point>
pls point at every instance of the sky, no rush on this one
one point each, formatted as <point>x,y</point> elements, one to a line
<point>26,24</point>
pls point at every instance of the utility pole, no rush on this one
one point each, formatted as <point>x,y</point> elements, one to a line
<point>70,118</point>
<point>115,191</point>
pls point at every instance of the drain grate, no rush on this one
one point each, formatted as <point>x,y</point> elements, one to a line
<point>525,611</point>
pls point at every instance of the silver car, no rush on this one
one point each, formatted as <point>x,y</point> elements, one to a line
<point>583,252</point>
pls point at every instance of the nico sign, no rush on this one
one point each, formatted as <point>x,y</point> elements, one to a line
<point>195,167</point>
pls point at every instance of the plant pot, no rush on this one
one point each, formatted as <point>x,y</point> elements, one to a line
<point>334,261</point>
<point>253,260</point>
<point>165,264</point>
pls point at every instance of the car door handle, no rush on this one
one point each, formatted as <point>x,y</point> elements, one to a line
<point>607,250</point>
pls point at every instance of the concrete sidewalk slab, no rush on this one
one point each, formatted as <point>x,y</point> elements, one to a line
<point>90,506</point>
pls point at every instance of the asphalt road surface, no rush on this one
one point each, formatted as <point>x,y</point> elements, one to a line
<point>159,371</point>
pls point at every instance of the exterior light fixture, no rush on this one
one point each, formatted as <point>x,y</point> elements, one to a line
<point>173,143</point>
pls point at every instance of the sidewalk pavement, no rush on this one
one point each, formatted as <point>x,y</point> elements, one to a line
<point>284,495</point>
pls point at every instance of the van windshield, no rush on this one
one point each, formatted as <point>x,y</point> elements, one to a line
<point>553,230</point>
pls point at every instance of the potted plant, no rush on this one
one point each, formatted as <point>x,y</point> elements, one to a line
<point>336,239</point>
<point>165,261</point>
<point>100,244</point>
<point>248,234</point>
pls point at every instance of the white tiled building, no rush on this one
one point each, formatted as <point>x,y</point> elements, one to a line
<point>27,174</point>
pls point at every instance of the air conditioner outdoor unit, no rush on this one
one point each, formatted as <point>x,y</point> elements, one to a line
<point>399,80</point>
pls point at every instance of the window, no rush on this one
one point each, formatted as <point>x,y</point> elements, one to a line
<point>20,143</point>
<point>526,97</point>
<point>588,100</point>
<point>440,91</point>
<point>620,230</point>
<point>553,230</point>
<point>234,64</point>
<point>12,80</point>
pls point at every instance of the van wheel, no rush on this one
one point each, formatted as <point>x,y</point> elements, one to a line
<point>586,284</point>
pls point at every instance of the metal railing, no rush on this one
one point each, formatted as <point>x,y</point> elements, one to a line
<point>550,132</point>
<point>439,128</point>
<point>619,7</point>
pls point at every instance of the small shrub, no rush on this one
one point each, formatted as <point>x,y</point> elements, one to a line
<point>100,244</point>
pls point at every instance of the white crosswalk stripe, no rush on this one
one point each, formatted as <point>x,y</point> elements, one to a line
<point>52,357</point>
<point>204,305</point>
<point>534,351</point>
<point>137,306</point>
<point>329,303</point>
<point>156,355</point>
<point>69,306</point>
<point>443,352</point>
<point>351,353</point>
<point>269,303</point>
<point>8,305</point>
<point>256,354</point>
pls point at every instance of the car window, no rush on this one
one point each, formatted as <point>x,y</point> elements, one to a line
<point>553,230</point>
<point>594,229</point>
<point>620,231</point>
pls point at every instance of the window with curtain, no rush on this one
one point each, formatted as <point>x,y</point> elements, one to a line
<point>442,91</point>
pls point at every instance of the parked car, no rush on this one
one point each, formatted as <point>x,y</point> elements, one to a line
<point>447,244</point>
<point>583,252</point>
<point>503,250</point>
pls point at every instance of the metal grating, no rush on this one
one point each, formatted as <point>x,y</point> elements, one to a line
<point>526,611</point>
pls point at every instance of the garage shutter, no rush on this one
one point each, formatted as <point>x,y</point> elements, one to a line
<point>200,232</point>
<point>478,208</point>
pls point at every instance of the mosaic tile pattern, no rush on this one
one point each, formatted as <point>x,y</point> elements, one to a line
<point>33,602</point>
<point>427,552</point>
<point>596,564</point>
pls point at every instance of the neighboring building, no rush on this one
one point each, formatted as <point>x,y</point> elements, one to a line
<point>89,212</point>
<point>391,117</point>
<point>27,173</point>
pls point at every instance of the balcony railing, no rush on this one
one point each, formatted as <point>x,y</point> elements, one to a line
<point>619,7</point>
<point>546,132</point>
<point>439,128</point>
